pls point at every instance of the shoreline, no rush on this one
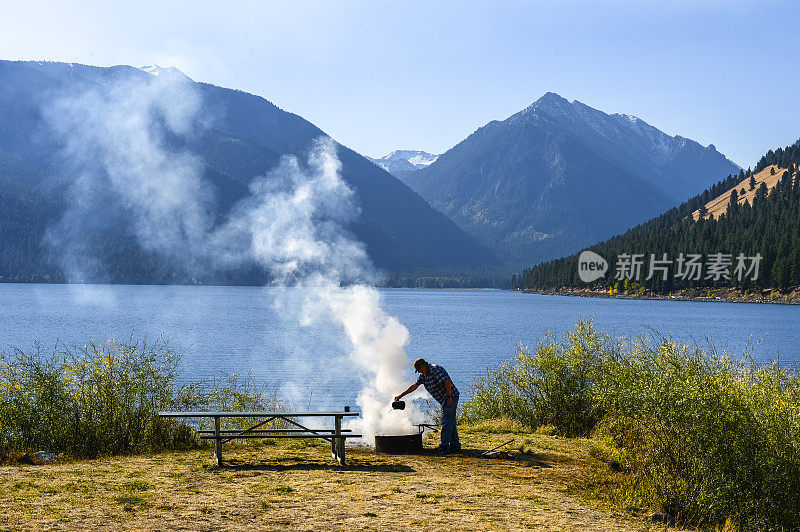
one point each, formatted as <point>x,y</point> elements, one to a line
<point>266,285</point>
<point>717,296</point>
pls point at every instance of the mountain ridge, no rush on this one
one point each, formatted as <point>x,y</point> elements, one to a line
<point>246,137</point>
<point>559,175</point>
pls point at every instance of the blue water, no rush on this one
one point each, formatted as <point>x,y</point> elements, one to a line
<point>236,330</point>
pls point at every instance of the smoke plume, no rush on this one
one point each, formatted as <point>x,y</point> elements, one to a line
<point>124,144</point>
<point>295,226</point>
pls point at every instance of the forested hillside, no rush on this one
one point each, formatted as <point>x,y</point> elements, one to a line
<point>764,233</point>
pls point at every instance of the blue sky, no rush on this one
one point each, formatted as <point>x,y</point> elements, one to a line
<point>384,75</point>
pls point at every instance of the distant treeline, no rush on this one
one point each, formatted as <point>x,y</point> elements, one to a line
<point>769,227</point>
<point>488,277</point>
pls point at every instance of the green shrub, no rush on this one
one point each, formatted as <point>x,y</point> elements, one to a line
<point>553,385</point>
<point>35,402</point>
<point>103,398</point>
<point>710,438</point>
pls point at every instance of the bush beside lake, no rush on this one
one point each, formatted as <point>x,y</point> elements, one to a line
<point>705,438</point>
<point>103,399</point>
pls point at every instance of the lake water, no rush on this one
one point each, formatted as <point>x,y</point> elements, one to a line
<point>236,330</point>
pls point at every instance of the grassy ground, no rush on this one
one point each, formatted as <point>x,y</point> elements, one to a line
<point>296,484</point>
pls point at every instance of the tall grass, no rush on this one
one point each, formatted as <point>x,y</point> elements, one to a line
<point>103,398</point>
<point>707,439</point>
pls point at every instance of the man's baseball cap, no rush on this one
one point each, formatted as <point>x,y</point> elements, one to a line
<point>419,364</point>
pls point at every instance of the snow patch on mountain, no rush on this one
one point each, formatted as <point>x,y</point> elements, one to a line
<point>405,160</point>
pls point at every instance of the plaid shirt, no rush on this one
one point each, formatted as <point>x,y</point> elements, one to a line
<point>433,381</point>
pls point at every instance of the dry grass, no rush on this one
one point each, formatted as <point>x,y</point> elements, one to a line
<point>294,484</point>
<point>719,205</point>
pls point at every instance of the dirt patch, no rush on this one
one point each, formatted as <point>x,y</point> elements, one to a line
<point>770,176</point>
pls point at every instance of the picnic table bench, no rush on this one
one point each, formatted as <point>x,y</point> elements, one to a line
<point>336,435</point>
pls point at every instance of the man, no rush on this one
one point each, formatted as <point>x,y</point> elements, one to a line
<point>437,382</point>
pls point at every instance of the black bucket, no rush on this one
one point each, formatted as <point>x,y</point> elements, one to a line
<point>399,405</point>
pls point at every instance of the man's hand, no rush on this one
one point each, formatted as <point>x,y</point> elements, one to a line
<point>408,391</point>
<point>449,401</point>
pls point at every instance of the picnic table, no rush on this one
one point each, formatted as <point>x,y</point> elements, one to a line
<point>336,435</point>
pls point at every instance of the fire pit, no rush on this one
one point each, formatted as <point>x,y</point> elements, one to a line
<point>404,443</point>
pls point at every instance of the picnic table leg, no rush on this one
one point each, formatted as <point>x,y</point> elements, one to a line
<point>334,453</point>
<point>339,440</point>
<point>217,441</point>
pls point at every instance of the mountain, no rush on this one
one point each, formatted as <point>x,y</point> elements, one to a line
<point>402,162</point>
<point>560,175</point>
<point>760,218</point>
<point>245,137</point>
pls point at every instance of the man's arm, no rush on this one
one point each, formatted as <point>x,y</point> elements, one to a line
<point>408,391</point>
<point>448,387</point>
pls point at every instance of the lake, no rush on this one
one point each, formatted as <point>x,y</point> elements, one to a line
<point>236,330</point>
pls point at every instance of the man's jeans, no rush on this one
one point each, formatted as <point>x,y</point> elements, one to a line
<point>449,431</point>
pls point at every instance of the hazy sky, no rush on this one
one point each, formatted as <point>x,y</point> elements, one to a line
<point>402,74</point>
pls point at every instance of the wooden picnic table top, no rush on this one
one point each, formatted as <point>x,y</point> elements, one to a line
<point>254,414</point>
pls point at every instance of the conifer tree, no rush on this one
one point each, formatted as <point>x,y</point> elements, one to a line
<point>767,226</point>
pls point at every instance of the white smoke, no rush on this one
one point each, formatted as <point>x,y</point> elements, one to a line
<point>293,223</point>
<point>117,141</point>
